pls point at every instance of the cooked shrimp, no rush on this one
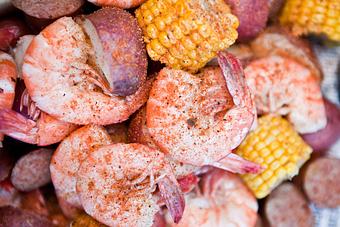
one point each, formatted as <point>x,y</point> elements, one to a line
<point>70,153</point>
<point>138,133</point>
<point>32,125</point>
<point>197,121</point>
<point>62,84</point>
<point>8,75</point>
<point>125,4</point>
<point>283,86</point>
<point>115,185</point>
<point>225,201</point>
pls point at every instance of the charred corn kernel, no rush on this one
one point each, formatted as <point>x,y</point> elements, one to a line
<point>205,26</point>
<point>312,16</point>
<point>281,156</point>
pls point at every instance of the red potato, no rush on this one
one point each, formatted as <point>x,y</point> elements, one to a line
<point>32,170</point>
<point>323,139</point>
<point>16,217</point>
<point>286,206</point>
<point>120,52</point>
<point>252,15</point>
<point>48,9</point>
<point>6,163</point>
<point>40,13</point>
<point>10,31</point>
<point>321,182</point>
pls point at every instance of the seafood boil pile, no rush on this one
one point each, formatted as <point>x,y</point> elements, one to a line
<point>166,113</point>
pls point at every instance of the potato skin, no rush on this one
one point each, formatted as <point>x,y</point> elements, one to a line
<point>15,217</point>
<point>323,139</point>
<point>48,9</point>
<point>286,206</point>
<point>123,49</point>
<point>10,31</point>
<point>321,183</point>
<point>32,170</point>
<point>252,14</point>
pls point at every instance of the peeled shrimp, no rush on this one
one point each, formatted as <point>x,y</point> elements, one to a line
<point>225,201</point>
<point>194,118</point>
<point>115,185</point>
<point>62,84</point>
<point>8,75</point>
<point>125,4</point>
<point>283,86</point>
<point>67,158</point>
<point>138,133</point>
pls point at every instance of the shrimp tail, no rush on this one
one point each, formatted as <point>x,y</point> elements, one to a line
<point>173,197</point>
<point>17,126</point>
<point>235,79</point>
<point>236,164</point>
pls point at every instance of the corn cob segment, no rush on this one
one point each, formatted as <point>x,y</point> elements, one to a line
<point>277,147</point>
<point>313,16</point>
<point>186,34</point>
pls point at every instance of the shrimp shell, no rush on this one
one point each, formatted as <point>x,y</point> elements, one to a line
<point>62,84</point>
<point>115,183</point>
<point>8,75</point>
<point>67,158</point>
<point>199,119</point>
<point>283,86</point>
<point>225,201</point>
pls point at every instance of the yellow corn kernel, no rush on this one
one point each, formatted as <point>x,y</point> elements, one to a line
<point>281,156</point>
<point>176,27</point>
<point>312,16</point>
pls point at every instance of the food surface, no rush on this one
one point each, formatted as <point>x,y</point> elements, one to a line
<point>165,113</point>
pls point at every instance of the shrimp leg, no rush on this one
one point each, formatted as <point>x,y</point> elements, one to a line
<point>173,196</point>
<point>236,164</point>
<point>17,126</point>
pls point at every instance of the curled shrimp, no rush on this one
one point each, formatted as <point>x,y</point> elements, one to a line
<point>115,185</point>
<point>67,158</point>
<point>199,119</point>
<point>138,133</point>
<point>225,201</point>
<point>125,4</point>
<point>8,75</point>
<point>283,86</point>
<point>32,125</point>
<point>62,83</point>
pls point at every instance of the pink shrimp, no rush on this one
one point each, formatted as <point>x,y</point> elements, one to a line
<point>283,86</point>
<point>189,116</point>
<point>138,133</point>
<point>125,4</point>
<point>225,201</point>
<point>8,75</point>
<point>62,83</point>
<point>32,126</point>
<point>67,158</point>
<point>115,185</point>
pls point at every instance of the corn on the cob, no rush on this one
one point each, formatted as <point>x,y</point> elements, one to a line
<point>186,34</point>
<point>277,147</point>
<point>313,16</point>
